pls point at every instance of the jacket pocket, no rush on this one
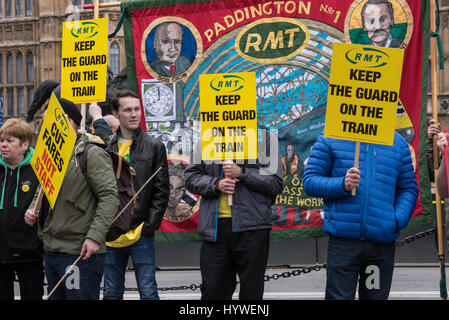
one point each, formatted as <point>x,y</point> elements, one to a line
<point>396,221</point>
<point>77,206</point>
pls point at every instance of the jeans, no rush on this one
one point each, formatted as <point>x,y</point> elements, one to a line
<point>82,283</point>
<point>352,260</point>
<point>142,257</point>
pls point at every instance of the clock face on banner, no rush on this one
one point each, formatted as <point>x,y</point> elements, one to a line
<point>159,100</point>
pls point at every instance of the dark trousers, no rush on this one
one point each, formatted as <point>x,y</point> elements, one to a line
<point>234,253</point>
<point>350,261</point>
<point>31,280</point>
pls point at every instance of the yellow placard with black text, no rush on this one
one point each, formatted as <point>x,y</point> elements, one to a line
<point>363,94</point>
<point>84,60</point>
<point>53,150</point>
<point>228,114</point>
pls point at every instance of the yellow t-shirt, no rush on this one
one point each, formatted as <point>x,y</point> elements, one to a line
<point>131,236</point>
<point>124,147</point>
<point>224,209</point>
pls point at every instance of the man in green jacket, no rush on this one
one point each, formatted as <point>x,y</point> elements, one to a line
<point>79,221</point>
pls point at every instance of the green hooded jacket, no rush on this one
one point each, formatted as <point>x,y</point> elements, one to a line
<point>85,207</point>
<point>26,161</point>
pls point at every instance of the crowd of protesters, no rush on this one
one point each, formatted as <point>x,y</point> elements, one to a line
<point>365,209</point>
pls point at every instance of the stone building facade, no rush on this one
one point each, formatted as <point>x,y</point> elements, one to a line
<point>31,43</point>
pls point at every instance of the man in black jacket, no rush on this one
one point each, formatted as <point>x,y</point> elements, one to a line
<point>145,155</point>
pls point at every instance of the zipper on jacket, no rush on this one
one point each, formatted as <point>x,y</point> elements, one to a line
<point>216,214</point>
<point>216,220</point>
<point>369,152</point>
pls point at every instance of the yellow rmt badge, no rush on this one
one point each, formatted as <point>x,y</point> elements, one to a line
<point>84,60</point>
<point>363,94</point>
<point>25,188</point>
<point>228,114</point>
<point>53,150</point>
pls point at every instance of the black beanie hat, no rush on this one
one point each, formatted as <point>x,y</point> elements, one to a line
<point>71,110</point>
<point>42,94</point>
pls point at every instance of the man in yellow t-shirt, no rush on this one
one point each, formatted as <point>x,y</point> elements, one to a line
<point>129,238</point>
<point>145,155</point>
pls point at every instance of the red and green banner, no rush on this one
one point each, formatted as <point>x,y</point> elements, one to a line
<point>288,45</point>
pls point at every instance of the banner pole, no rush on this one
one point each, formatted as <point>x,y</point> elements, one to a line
<point>96,9</point>
<point>102,5</point>
<point>433,60</point>
<point>356,162</point>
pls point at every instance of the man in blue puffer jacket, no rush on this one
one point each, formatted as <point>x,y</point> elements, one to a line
<point>362,228</point>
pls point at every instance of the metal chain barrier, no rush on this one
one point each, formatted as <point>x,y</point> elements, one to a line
<point>303,270</point>
<point>296,272</point>
<point>192,287</point>
<point>414,237</point>
<point>274,276</point>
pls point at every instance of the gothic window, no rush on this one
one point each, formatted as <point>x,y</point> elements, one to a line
<point>30,67</point>
<point>1,69</point>
<point>115,58</point>
<point>8,9</point>
<point>10,97</point>
<point>9,69</point>
<point>19,67</point>
<point>18,8</point>
<point>30,95</point>
<point>28,8</point>
<point>20,101</point>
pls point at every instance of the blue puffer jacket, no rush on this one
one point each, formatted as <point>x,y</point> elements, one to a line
<point>385,199</point>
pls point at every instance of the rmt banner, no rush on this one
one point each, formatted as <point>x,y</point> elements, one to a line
<point>289,46</point>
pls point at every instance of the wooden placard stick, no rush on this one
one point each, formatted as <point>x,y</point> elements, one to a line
<point>63,277</point>
<point>356,162</point>
<point>37,205</point>
<point>135,195</point>
<point>83,119</point>
<point>229,195</point>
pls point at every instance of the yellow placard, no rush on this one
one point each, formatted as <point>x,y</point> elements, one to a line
<point>228,114</point>
<point>53,150</point>
<point>84,60</point>
<point>363,93</point>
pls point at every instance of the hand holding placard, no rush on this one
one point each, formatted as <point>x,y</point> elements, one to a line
<point>231,171</point>
<point>352,178</point>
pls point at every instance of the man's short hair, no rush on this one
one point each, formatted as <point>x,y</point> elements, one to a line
<point>115,102</point>
<point>386,2</point>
